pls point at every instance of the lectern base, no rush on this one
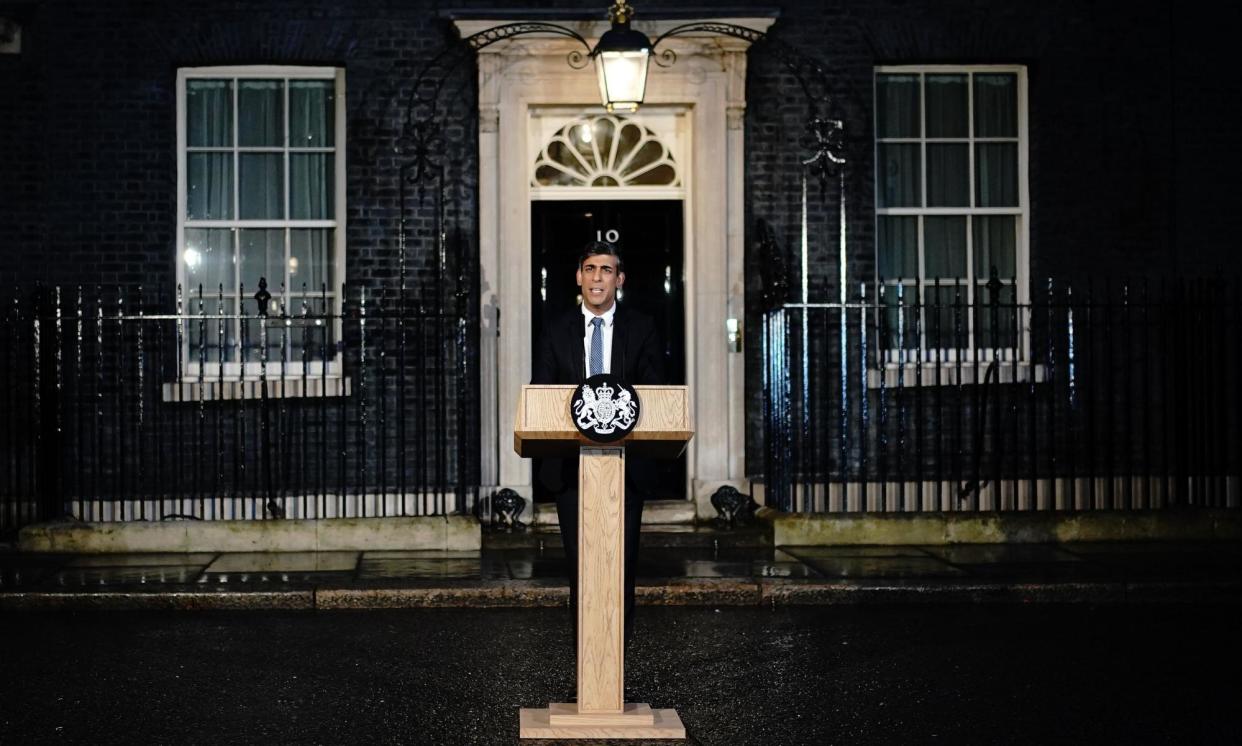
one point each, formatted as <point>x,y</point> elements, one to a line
<point>636,721</point>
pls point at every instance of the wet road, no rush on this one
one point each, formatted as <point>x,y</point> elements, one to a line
<point>811,675</point>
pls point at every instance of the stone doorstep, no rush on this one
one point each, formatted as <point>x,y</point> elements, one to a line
<point>938,528</point>
<point>297,535</point>
<point>689,592</point>
<point>659,535</point>
<point>291,535</point>
<point>655,512</point>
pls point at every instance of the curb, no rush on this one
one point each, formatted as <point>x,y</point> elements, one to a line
<point>689,592</point>
<point>936,528</point>
<point>159,601</point>
<point>439,532</point>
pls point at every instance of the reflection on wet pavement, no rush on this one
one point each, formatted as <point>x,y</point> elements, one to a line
<point>543,559</point>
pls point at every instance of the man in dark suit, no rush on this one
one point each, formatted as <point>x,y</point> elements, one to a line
<point>600,336</point>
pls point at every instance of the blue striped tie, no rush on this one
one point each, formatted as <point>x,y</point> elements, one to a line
<point>597,346</point>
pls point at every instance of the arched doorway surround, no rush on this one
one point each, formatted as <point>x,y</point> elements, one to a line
<point>524,75</point>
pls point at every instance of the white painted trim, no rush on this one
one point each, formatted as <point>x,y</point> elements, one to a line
<point>337,223</point>
<point>906,375</point>
<point>614,194</point>
<point>948,68</point>
<point>1022,212</point>
<point>1041,494</point>
<point>591,30</point>
<point>614,163</point>
<point>389,511</point>
<point>289,385</point>
<point>256,71</point>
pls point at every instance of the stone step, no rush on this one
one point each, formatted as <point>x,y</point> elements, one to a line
<point>655,512</point>
<point>654,535</point>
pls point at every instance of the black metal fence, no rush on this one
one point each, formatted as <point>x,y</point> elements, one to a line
<point>330,403</point>
<point>921,398</point>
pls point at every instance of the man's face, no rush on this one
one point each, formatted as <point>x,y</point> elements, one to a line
<point>599,279</point>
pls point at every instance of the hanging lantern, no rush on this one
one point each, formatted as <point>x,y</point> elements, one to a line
<point>621,58</point>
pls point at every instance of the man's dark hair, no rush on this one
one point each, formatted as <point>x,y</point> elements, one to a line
<point>601,248</point>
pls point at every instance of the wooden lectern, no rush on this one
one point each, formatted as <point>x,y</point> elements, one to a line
<point>545,428</point>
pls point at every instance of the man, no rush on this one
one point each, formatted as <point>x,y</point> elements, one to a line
<point>601,336</point>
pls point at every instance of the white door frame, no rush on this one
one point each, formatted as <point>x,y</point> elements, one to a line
<point>709,79</point>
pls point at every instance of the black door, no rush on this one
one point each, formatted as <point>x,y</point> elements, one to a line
<point>649,235</point>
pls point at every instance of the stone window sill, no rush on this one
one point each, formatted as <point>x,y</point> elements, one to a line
<point>251,389</point>
<point>907,375</point>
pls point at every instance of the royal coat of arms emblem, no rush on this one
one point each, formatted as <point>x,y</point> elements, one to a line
<point>605,409</point>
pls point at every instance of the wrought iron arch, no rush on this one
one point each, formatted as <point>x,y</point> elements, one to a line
<point>422,140</point>
<point>422,148</point>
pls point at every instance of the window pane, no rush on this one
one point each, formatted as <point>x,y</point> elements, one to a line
<point>947,105</point>
<point>996,105</point>
<point>308,338</point>
<point>944,246</point>
<point>208,259</point>
<point>262,186</point>
<point>260,113</point>
<point>650,152</point>
<point>948,175</point>
<point>210,340</point>
<point>994,317</point>
<point>310,261</point>
<point>551,176</point>
<point>310,186</point>
<point>897,244</point>
<point>209,113</point>
<point>899,178</point>
<point>995,245</point>
<point>209,186</point>
<point>900,317</point>
<point>578,138</point>
<point>996,174</point>
<point>658,176</point>
<point>252,336</point>
<point>947,316</point>
<point>311,339</point>
<point>897,105</point>
<point>312,104</point>
<point>262,253</point>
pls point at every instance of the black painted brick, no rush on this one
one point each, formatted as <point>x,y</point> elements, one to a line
<point>1132,154</point>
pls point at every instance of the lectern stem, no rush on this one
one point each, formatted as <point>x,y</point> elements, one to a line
<point>601,579</point>
<point>545,427</point>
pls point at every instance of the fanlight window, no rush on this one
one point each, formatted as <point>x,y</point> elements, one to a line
<point>605,151</point>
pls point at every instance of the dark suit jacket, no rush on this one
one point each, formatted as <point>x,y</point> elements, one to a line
<point>637,355</point>
<point>637,358</point>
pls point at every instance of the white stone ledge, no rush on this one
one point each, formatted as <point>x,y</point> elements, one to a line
<point>339,534</point>
<point>1046,495</point>
<point>290,387</point>
<point>655,512</point>
<point>950,374</point>
<point>940,528</point>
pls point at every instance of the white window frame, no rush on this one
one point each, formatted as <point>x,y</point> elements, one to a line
<point>951,356</point>
<point>187,302</point>
<point>669,125</point>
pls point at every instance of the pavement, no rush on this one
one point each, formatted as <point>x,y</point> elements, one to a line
<point>679,566</point>
<point>737,676</point>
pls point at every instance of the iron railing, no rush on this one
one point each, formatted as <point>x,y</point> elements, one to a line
<point>932,398</point>
<point>345,403</point>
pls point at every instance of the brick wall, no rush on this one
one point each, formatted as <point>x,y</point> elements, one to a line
<point>1129,150</point>
<point>1122,135</point>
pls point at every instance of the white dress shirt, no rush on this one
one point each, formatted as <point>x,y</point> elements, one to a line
<point>607,316</point>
